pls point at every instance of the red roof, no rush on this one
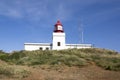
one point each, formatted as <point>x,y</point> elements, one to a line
<point>58,23</point>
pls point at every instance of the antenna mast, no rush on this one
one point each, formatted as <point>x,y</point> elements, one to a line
<point>81,31</point>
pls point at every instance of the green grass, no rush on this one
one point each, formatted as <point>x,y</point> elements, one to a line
<point>107,59</point>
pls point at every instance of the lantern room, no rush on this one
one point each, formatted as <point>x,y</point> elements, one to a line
<point>58,27</point>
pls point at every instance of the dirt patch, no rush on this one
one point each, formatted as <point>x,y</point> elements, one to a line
<point>71,73</point>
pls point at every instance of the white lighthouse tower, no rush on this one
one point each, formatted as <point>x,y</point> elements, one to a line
<point>58,37</point>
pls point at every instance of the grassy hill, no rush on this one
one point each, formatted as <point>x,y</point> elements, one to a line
<point>87,64</point>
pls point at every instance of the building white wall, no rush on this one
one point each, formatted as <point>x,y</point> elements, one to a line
<point>37,46</point>
<point>58,37</point>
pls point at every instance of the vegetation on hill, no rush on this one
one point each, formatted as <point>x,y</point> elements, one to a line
<point>70,64</point>
<point>107,59</point>
<point>8,71</point>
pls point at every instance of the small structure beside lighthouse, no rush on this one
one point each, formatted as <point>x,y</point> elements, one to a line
<point>58,41</point>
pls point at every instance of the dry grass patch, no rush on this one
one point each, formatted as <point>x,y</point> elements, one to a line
<point>13,71</point>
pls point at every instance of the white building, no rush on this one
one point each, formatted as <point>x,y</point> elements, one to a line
<point>58,41</point>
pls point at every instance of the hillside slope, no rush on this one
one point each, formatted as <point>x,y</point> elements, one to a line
<point>71,64</point>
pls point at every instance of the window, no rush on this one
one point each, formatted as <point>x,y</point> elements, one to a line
<point>58,43</point>
<point>47,48</point>
<point>41,48</point>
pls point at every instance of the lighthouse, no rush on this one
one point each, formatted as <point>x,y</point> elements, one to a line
<point>58,37</point>
<point>58,41</point>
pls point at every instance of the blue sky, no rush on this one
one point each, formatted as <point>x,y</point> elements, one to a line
<point>33,21</point>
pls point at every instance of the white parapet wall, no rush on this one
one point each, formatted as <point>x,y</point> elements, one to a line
<point>78,46</point>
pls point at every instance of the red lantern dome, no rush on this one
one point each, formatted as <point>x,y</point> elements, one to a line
<point>58,27</point>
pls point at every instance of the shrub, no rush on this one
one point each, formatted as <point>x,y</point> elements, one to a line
<point>4,56</point>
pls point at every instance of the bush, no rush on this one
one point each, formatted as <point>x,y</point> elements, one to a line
<point>4,56</point>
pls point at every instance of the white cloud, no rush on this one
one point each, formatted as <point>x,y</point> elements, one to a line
<point>21,9</point>
<point>34,9</point>
<point>37,10</point>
